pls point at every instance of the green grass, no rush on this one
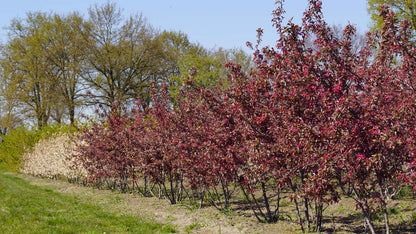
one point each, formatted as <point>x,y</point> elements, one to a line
<point>26,208</point>
<point>193,226</point>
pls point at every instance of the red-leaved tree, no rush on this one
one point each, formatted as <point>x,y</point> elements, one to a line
<point>375,121</point>
<point>106,152</point>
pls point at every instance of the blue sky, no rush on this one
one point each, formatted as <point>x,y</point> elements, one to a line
<point>213,23</point>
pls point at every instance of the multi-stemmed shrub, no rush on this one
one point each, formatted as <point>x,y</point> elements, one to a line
<point>104,150</point>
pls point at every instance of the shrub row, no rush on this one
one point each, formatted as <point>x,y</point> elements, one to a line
<point>318,122</point>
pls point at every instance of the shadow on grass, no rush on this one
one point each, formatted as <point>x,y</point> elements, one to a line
<point>354,223</point>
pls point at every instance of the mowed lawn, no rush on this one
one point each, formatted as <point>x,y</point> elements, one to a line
<point>26,208</point>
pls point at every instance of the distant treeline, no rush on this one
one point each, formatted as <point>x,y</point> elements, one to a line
<point>53,65</point>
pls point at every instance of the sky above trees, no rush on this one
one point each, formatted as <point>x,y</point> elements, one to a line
<point>215,23</point>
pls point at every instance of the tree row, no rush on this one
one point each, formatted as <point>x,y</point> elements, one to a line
<point>319,122</point>
<point>54,66</point>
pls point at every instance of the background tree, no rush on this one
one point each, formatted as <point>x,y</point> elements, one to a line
<point>358,40</point>
<point>65,52</point>
<point>189,59</point>
<point>175,46</point>
<point>27,77</point>
<point>206,67</point>
<point>236,56</point>
<point>197,62</point>
<point>403,9</point>
<point>122,56</point>
<point>9,118</point>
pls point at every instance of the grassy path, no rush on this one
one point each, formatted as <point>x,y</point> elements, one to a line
<point>33,205</point>
<point>25,208</point>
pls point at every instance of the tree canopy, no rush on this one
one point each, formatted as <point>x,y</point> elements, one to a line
<point>403,9</point>
<point>52,64</point>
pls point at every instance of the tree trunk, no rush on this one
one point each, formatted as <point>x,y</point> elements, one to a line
<point>367,219</point>
<point>72,115</point>
<point>307,218</point>
<point>386,217</point>
<point>370,224</point>
<point>317,219</point>
<point>266,204</point>
<point>226,195</point>
<point>299,215</point>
